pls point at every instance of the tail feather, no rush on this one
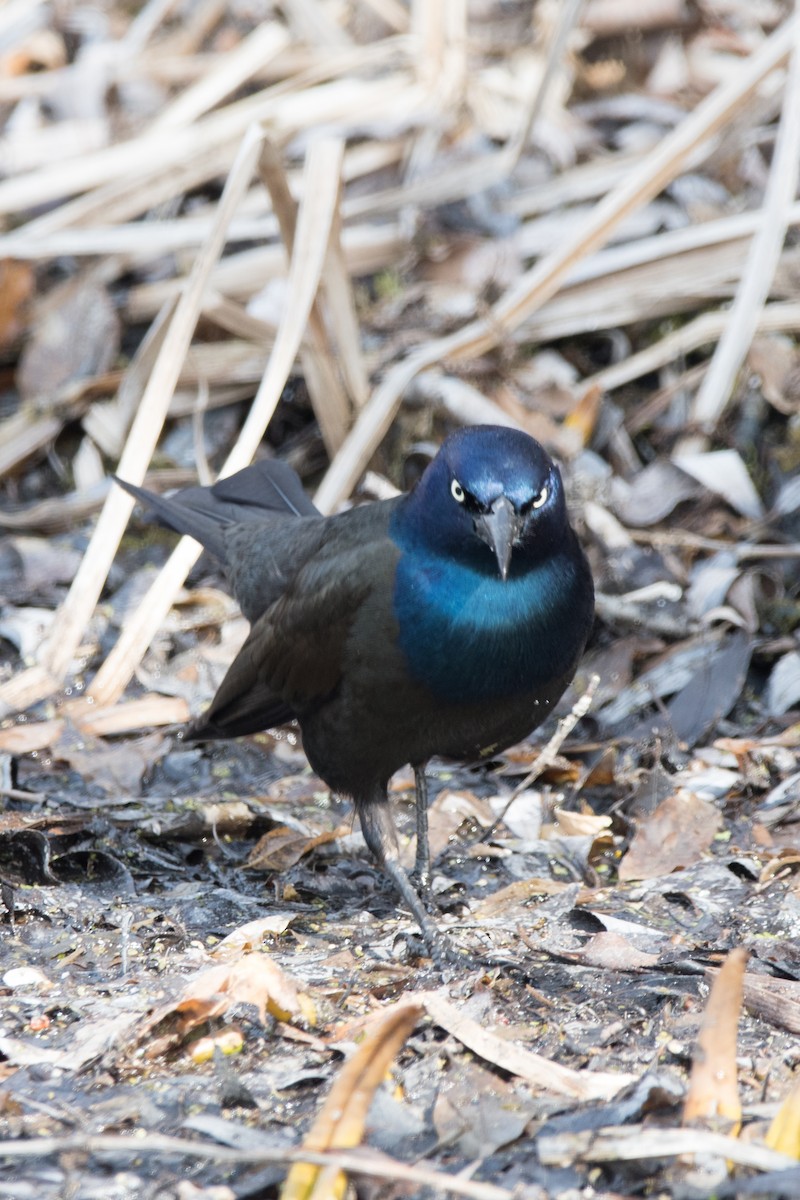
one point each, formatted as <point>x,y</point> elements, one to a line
<point>205,528</point>
<point>206,513</point>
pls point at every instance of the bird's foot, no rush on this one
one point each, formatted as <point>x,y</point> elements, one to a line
<point>445,953</point>
<point>421,881</point>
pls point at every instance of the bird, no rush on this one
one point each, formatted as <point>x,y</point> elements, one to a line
<point>446,622</point>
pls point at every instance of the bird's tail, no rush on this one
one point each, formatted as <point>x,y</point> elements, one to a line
<point>206,513</point>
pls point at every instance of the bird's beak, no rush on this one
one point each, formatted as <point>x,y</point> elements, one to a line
<point>499,528</point>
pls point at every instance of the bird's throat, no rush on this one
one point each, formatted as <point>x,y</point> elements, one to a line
<point>466,633</point>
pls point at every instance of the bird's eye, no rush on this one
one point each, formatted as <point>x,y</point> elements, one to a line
<point>457,491</point>
<point>541,498</point>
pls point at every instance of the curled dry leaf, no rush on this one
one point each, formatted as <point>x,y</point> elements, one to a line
<point>723,472</point>
<point>655,492</point>
<point>783,688</point>
<point>340,1122</point>
<point>613,952</point>
<point>250,936</point>
<point>78,337</point>
<point>675,835</point>
<point>251,979</point>
<point>713,1091</point>
<point>281,848</point>
<point>783,1134</point>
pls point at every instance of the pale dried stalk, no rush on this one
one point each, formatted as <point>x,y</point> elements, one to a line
<point>568,13</point>
<point>232,70</point>
<point>537,285</point>
<point>338,287</point>
<point>549,752</point>
<point>76,234</point>
<point>367,248</point>
<point>361,1162</point>
<point>23,434</point>
<point>154,153</point>
<point>144,25</point>
<point>774,318</point>
<point>765,250</point>
<point>74,614</point>
<point>328,397</point>
<point>315,219</point>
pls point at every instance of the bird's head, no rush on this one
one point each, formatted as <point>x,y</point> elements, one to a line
<point>492,488</point>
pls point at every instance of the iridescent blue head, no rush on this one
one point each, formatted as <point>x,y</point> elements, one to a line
<point>492,497</point>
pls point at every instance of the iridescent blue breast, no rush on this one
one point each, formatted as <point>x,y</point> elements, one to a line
<point>467,633</point>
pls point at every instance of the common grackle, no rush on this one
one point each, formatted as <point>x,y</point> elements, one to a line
<point>447,622</point>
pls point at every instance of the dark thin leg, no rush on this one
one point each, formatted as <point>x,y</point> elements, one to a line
<point>422,862</point>
<point>379,834</point>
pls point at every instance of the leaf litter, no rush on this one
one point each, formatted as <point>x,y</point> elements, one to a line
<point>546,216</point>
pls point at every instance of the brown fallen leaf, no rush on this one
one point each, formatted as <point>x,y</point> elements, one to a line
<point>119,767</point>
<point>670,838</point>
<point>252,979</point>
<point>713,1095</point>
<point>340,1122</point>
<point>783,1134</point>
<point>520,892</point>
<point>519,1061</point>
<point>250,936</point>
<point>17,283</point>
<point>614,952</point>
<point>281,848</point>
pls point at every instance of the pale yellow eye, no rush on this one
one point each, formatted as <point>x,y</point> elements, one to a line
<point>456,491</point>
<point>541,498</point>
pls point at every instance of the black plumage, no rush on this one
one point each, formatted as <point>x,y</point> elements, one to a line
<point>446,622</point>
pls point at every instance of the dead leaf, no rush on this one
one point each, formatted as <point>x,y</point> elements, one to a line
<point>783,1134</point>
<point>614,953</point>
<point>518,1060</point>
<point>576,824</point>
<point>676,834</point>
<point>713,1091</point>
<point>250,936</point>
<point>17,283</point>
<point>76,338</point>
<point>723,472</point>
<point>478,1111</point>
<point>774,358</point>
<point>652,495</point>
<point>119,767</point>
<point>250,979</point>
<point>517,895</point>
<point>783,687</point>
<point>281,848</point>
<point>340,1123</point>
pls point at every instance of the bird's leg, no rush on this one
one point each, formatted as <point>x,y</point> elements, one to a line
<point>422,861</point>
<point>381,838</point>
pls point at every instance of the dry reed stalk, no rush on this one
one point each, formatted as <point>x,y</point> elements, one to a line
<point>328,397</point>
<point>73,616</point>
<point>541,282</point>
<point>705,329</point>
<point>314,226</point>
<point>762,261</point>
